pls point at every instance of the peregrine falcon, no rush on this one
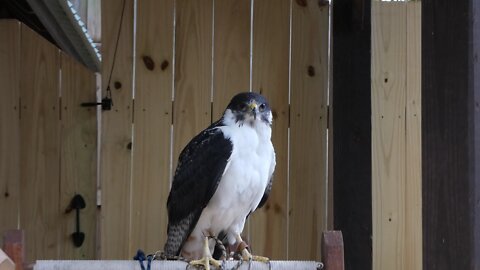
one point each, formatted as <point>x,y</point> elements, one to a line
<point>223,175</point>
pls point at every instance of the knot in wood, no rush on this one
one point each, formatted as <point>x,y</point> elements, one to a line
<point>164,65</point>
<point>149,63</point>
<point>302,3</point>
<point>311,71</point>
<point>117,85</point>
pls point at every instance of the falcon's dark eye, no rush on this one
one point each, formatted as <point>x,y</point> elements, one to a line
<point>243,107</point>
<point>262,107</point>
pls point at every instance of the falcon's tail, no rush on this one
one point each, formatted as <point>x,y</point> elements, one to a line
<point>178,233</point>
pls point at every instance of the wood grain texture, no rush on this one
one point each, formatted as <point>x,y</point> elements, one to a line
<point>413,154</point>
<point>9,125</point>
<point>78,161</point>
<point>396,136</point>
<point>388,134</point>
<point>475,97</point>
<point>270,77</point>
<point>193,71</point>
<point>152,122</point>
<point>115,163</point>
<point>308,122</point>
<point>40,147</point>
<point>231,52</point>
<point>352,129</point>
<point>450,134</point>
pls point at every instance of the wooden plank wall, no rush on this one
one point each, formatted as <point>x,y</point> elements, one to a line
<point>50,157</point>
<point>308,127</point>
<point>9,125</point>
<point>193,71</point>
<point>231,62</point>
<point>413,155</point>
<point>115,171</point>
<point>40,132</point>
<point>78,161</point>
<point>152,122</point>
<point>396,129</point>
<point>190,58</point>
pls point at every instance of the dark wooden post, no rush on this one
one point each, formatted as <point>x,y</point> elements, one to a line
<point>352,144</point>
<point>451,134</point>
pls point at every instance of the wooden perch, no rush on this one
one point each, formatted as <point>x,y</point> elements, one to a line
<point>13,245</point>
<point>332,250</point>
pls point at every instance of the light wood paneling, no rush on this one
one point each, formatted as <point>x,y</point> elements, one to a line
<point>152,123</point>
<point>40,147</point>
<point>193,71</point>
<point>413,181</point>
<point>115,163</point>
<point>78,157</point>
<point>308,120</point>
<point>388,134</point>
<point>231,52</point>
<point>270,75</point>
<point>9,125</point>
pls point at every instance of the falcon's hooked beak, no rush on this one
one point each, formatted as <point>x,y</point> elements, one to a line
<point>253,106</point>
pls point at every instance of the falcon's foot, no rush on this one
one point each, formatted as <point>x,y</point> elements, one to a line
<point>205,262</point>
<point>247,256</point>
<point>207,258</point>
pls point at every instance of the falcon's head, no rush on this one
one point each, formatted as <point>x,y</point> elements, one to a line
<point>249,108</point>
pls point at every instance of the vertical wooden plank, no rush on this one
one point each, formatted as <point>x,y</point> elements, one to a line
<point>352,140</point>
<point>413,155</point>
<point>9,124</point>
<point>40,148</point>
<point>78,157</point>
<point>474,103</point>
<point>270,76</point>
<point>388,134</point>
<point>231,73</point>
<point>193,71</point>
<point>308,121</point>
<point>450,134</point>
<point>152,123</point>
<point>115,163</point>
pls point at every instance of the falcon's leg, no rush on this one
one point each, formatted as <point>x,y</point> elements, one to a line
<point>246,255</point>
<point>207,258</point>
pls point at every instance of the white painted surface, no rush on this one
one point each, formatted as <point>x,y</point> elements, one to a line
<point>168,265</point>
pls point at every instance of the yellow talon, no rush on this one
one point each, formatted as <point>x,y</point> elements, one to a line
<point>207,258</point>
<point>247,256</point>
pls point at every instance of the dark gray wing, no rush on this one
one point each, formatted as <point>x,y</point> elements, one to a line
<point>266,193</point>
<point>199,171</point>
